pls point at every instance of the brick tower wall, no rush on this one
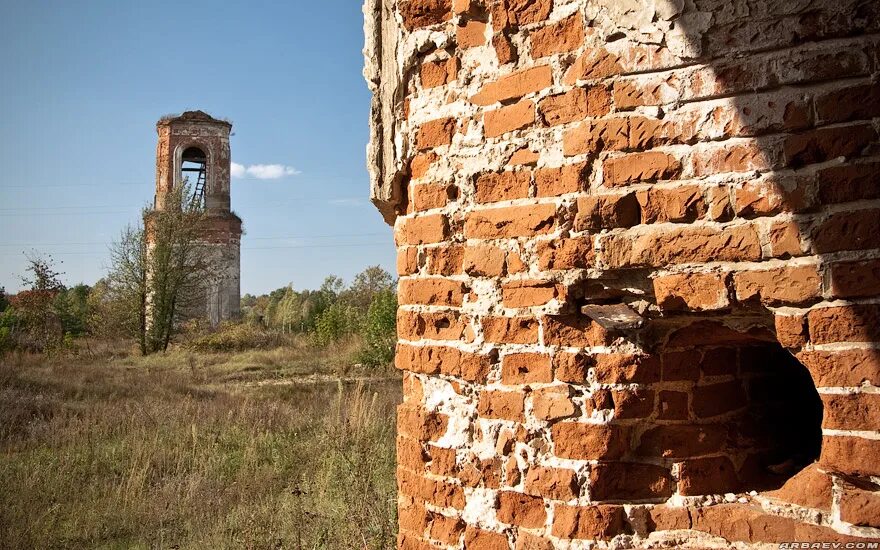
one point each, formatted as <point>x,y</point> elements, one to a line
<point>639,258</point>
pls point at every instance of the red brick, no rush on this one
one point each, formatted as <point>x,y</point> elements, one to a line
<point>480,539</point>
<point>422,13</point>
<point>607,212</point>
<point>856,323</point>
<point>530,293</point>
<point>640,167</point>
<point>714,399</point>
<point>443,360</point>
<point>484,261</point>
<point>515,85</point>
<point>744,157</point>
<point>785,240</point>
<point>421,163</point>
<point>849,182</point>
<point>855,279</point>
<point>504,49</point>
<point>434,292</point>
<point>438,73</point>
<point>432,228</point>
<point>691,292</point>
<point>522,510</point>
<point>589,441</point>
<point>618,368</point>
<point>602,522</point>
<point>682,245</point>
<point>842,367</point>
<point>571,367</point>
<point>413,325</point>
<point>593,64</point>
<point>407,260</point>
<point>510,221</point>
<point>520,12</point>
<point>505,405</point>
<point>435,133</point>
<point>809,488</point>
<point>526,368</point>
<point>851,103</point>
<point>566,254</point>
<point>634,403</point>
<point>859,411</point>
<point>471,34</point>
<point>681,441</point>
<point>564,36</point>
<point>574,330</point>
<point>860,507</point>
<point>784,285</point>
<point>595,136</point>
<point>682,204</point>
<point>629,481</point>
<point>823,144</point>
<point>673,405</point>
<point>552,182</point>
<point>791,330</point>
<point>509,118</point>
<point>445,260</point>
<point>707,476</point>
<point>853,230</point>
<point>420,424</point>
<point>552,403</point>
<point>426,196</point>
<point>502,186</point>
<point>576,104</point>
<point>554,483</point>
<point>850,455</point>
<point>523,157</point>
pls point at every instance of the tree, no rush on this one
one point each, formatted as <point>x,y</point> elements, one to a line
<point>380,330</point>
<point>159,270</point>
<point>36,324</point>
<point>367,284</point>
<point>4,302</point>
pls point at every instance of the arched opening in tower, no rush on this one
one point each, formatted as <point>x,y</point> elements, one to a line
<point>737,415</point>
<point>194,171</point>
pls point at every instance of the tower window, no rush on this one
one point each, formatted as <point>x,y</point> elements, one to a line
<point>194,170</point>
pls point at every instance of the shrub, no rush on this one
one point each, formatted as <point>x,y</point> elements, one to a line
<point>235,337</point>
<point>380,330</point>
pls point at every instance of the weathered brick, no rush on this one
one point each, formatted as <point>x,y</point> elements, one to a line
<point>681,204</point>
<point>674,246</point>
<point>620,368</point>
<point>426,196</point>
<point>855,323</point>
<point>420,424</point>
<point>564,36</point>
<point>575,104</point>
<point>850,455</point>
<point>589,441</point>
<point>602,522</point>
<point>707,476</point>
<point>509,118</point>
<point>629,481</point>
<point>552,182</point>
<point>860,507</point>
<point>526,368</point>
<point>842,367</point>
<point>784,285</point>
<point>510,330</point>
<point>555,483</point>
<point>607,212</point>
<point>480,539</point>
<point>520,509</point>
<point>691,291</point>
<point>858,411</point>
<point>438,73</point>
<point>515,85</point>
<point>640,167</point>
<point>484,261</point>
<point>593,64</point>
<point>422,13</point>
<point>529,293</point>
<point>471,34</point>
<point>854,230</point>
<point>407,260</point>
<point>849,182</point>
<point>433,291</point>
<point>714,399</point>
<point>633,403</point>
<point>435,133</point>
<point>412,325</point>
<point>511,221</point>
<point>595,136</point>
<point>855,279</point>
<point>432,228</point>
<point>445,260</point>
<point>552,402</point>
<point>502,186</point>
<point>681,441</point>
<point>566,254</point>
<point>505,405</point>
<point>574,330</point>
<point>571,367</point>
<point>822,144</point>
<point>520,12</point>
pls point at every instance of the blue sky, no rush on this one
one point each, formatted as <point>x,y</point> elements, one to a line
<point>83,84</point>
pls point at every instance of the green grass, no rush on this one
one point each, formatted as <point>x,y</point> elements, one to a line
<point>247,450</point>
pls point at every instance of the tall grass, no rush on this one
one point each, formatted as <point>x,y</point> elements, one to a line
<point>140,454</point>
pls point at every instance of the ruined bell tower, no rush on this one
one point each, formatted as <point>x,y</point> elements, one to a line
<point>194,147</point>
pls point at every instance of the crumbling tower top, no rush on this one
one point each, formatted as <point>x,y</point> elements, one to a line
<point>194,146</point>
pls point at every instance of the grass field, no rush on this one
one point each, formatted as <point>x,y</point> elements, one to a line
<point>263,449</point>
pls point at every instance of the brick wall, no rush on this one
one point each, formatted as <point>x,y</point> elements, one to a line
<point>640,269</point>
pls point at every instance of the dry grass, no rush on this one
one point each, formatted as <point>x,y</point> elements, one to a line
<point>194,451</point>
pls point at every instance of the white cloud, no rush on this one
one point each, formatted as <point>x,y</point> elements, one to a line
<point>262,171</point>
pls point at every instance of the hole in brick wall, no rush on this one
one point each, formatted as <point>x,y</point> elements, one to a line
<point>783,420</point>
